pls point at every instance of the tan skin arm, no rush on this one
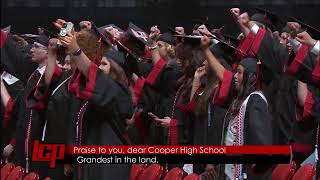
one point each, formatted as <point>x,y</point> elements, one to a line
<point>82,62</point>
<point>5,96</point>
<point>214,64</point>
<point>302,91</point>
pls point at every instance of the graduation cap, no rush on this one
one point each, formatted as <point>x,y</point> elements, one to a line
<point>101,29</point>
<point>48,32</point>
<point>250,64</point>
<point>270,19</point>
<point>231,39</point>
<point>99,33</point>
<point>314,32</point>
<point>112,25</point>
<point>138,34</point>
<point>7,29</point>
<point>117,57</point>
<point>286,29</point>
<point>168,38</point>
<point>42,39</point>
<point>172,31</point>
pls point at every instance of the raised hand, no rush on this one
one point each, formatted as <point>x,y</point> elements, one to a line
<point>165,122</point>
<point>235,12</point>
<point>180,30</point>
<point>203,30</point>
<point>70,42</point>
<point>154,33</point>
<point>53,45</point>
<point>306,39</point>
<point>205,42</point>
<point>244,19</point>
<point>201,71</point>
<point>294,27</point>
<point>85,25</point>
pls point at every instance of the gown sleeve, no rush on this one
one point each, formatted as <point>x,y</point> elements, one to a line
<point>304,66</point>
<point>258,122</point>
<point>15,61</point>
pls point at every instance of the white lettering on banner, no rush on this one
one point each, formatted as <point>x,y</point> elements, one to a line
<point>99,160</point>
<point>210,150</point>
<point>154,150</point>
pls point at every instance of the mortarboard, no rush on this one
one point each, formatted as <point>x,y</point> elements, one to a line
<point>314,32</point>
<point>42,39</point>
<point>231,39</point>
<point>117,57</point>
<point>168,38</point>
<point>7,29</point>
<point>138,34</point>
<point>135,39</point>
<point>99,33</point>
<point>286,29</point>
<point>101,29</point>
<point>250,64</point>
<point>173,31</point>
<point>270,19</point>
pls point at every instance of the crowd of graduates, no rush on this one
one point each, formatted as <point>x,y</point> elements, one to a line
<point>106,86</point>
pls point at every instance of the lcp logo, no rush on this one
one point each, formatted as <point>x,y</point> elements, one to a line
<point>48,152</point>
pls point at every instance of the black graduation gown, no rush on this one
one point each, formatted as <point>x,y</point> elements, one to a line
<point>55,101</point>
<point>257,122</point>
<point>282,91</point>
<point>155,93</point>
<point>8,114</point>
<point>305,67</point>
<point>207,129</point>
<point>100,106</point>
<point>257,131</point>
<point>19,64</point>
<point>109,104</point>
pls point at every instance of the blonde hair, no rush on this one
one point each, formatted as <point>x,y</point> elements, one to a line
<point>170,50</point>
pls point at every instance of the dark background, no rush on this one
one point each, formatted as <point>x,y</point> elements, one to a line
<point>25,15</point>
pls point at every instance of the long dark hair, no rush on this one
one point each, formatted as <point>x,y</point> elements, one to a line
<point>247,86</point>
<point>117,73</point>
<point>202,101</point>
<point>191,59</point>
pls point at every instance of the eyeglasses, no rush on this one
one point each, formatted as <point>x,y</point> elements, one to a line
<point>38,46</point>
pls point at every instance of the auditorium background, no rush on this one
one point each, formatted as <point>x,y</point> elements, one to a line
<point>25,15</point>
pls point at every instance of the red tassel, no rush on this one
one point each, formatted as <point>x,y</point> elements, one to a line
<point>173,129</point>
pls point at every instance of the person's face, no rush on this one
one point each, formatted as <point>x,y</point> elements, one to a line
<point>239,77</point>
<point>284,38</point>
<point>162,49</point>
<point>39,53</point>
<point>105,65</point>
<point>67,63</point>
<point>179,30</point>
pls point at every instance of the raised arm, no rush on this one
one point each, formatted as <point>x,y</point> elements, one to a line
<point>214,64</point>
<point>240,19</point>
<point>5,96</point>
<point>152,45</point>
<point>51,62</point>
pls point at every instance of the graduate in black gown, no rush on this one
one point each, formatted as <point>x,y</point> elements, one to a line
<point>249,108</point>
<point>100,104</point>
<point>11,89</point>
<point>29,70</point>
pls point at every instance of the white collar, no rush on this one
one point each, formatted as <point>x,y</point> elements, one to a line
<point>41,69</point>
<point>9,79</point>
